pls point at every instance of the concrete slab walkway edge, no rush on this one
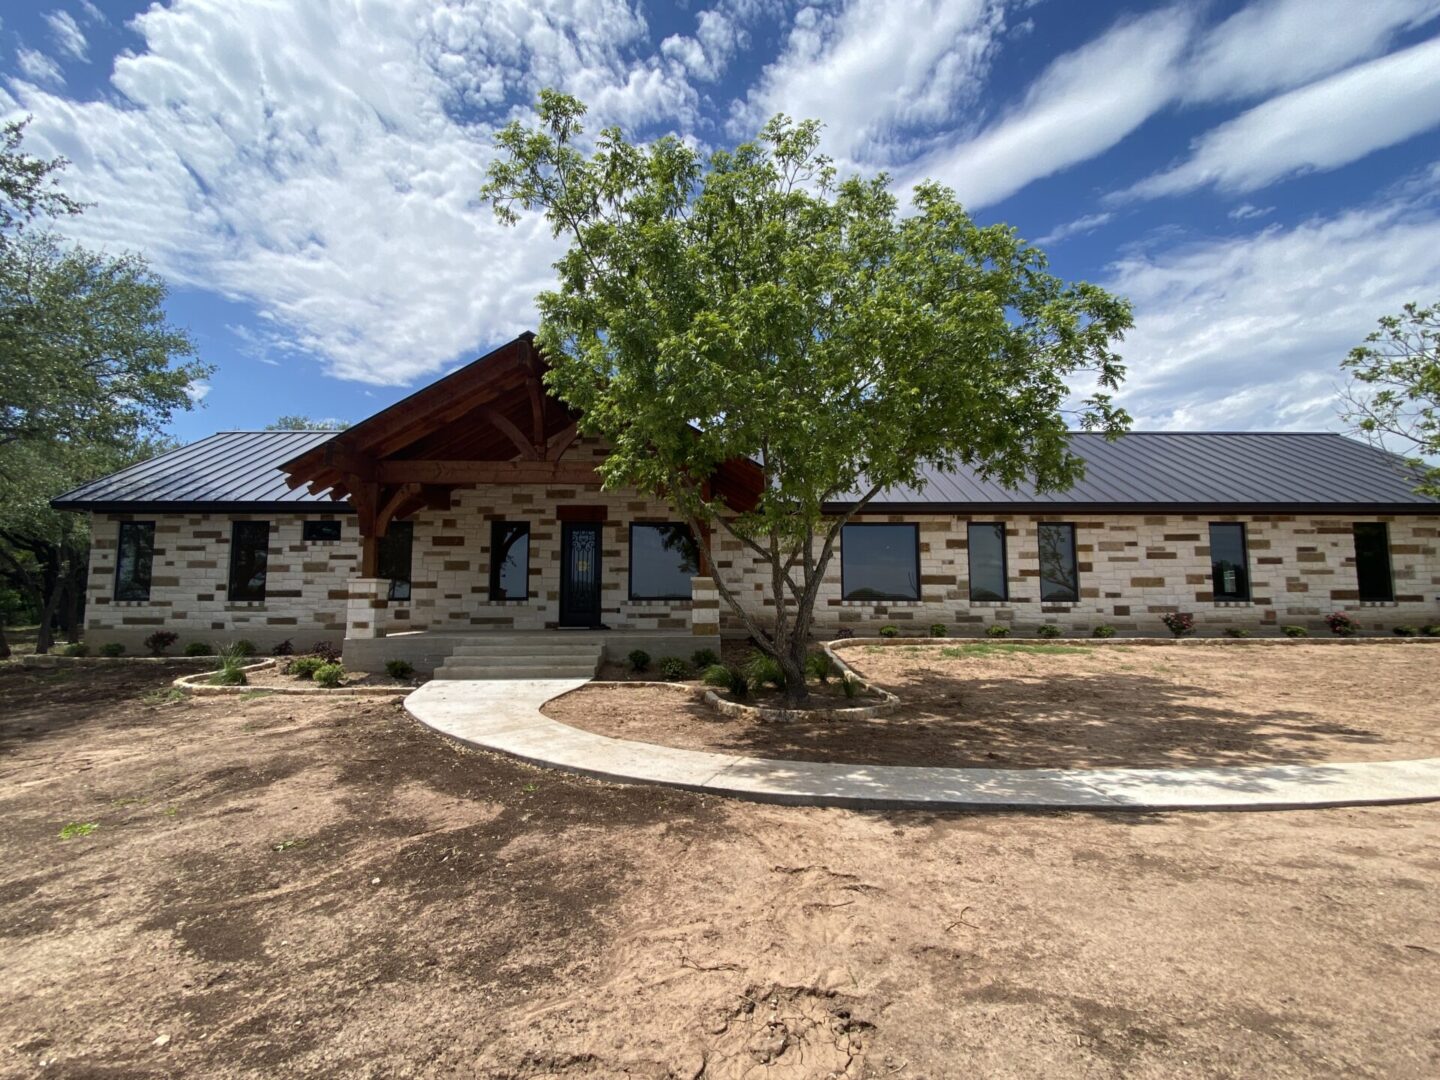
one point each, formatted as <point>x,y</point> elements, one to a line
<point>503,715</point>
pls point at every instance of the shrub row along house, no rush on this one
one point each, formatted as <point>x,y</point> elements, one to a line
<point>472,506</point>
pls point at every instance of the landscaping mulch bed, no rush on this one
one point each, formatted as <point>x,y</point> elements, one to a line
<point>321,887</point>
<point>983,704</point>
<point>276,676</point>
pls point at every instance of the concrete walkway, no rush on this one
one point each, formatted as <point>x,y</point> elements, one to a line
<point>504,716</point>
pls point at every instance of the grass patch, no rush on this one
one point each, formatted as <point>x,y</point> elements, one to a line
<point>286,845</point>
<point>251,695</point>
<point>78,828</point>
<point>171,695</point>
<point>985,648</point>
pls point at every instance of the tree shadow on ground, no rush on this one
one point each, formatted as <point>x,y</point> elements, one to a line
<point>41,702</point>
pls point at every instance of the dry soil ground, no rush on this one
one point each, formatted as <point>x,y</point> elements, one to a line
<point>286,887</point>
<point>1036,704</point>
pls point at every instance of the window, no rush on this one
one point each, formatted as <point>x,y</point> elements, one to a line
<point>1372,560</point>
<point>987,560</point>
<point>320,531</point>
<point>880,562</point>
<point>1229,567</point>
<point>249,553</point>
<point>509,560</point>
<point>663,559</point>
<point>392,558</point>
<point>134,554</point>
<point>1059,576</point>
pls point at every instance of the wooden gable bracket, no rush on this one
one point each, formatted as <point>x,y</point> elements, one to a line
<point>560,442</point>
<point>513,433</point>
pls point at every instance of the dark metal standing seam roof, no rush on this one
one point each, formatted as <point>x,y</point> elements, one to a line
<point>1172,472</point>
<point>238,471</point>
<point>1190,471</point>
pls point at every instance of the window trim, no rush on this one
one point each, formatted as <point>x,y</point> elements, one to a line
<point>493,576</point>
<point>1074,558</point>
<point>306,538</point>
<point>230,597</point>
<point>1384,527</point>
<point>1215,595</point>
<point>119,548</point>
<point>914,527</point>
<point>630,559</point>
<point>1004,562</point>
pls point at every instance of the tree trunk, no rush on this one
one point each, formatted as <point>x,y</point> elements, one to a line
<point>792,663</point>
<point>4,642</point>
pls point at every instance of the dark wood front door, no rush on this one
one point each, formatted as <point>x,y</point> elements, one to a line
<point>579,573</point>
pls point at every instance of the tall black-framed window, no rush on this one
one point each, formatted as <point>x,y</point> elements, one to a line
<point>1229,563</point>
<point>880,561</point>
<point>134,555</point>
<point>393,556</point>
<point>249,556</point>
<point>1372,561</point>
<point>509,560</point>
<point>313,532</point>
<point>987,561</point>
<point>1059,573</point>
<point>663,559</point>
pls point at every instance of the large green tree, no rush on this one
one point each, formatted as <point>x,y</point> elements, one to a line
<point>754,305</point>
<point>90,372</point>
<point>1393,399</point>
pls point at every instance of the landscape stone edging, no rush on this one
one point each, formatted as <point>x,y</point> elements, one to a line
<point>58,660</point>
<point>1100,642</point>
<point>210,690</point>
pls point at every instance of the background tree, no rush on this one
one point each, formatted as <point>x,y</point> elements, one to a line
<point>753,306</point>
<point>293,422</point>
<point>90,372</point>
<point>1394,392</point>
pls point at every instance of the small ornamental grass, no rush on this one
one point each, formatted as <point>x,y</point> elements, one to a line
<point>232,667</point>
<point>727,677</point>
<point>161,640</point>
<point>1341,625</point>
<point>1179,623</point>
<point>243,647</point>
<point>764,670</point>
<point>329,675</point>
<point>704,659</point>
<point>819,667</point>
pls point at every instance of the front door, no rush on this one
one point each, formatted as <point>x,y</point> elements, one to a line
<point>579,573</point>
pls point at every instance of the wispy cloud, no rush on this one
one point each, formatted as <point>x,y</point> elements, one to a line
<point>69,38</point>
<point>1086,223</point>
<point>36,65</point>
<point>1248,211</point>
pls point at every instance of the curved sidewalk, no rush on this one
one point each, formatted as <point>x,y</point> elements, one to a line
<point>504,716</point>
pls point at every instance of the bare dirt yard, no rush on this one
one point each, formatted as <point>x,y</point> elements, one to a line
<point>293,887</point>
<point>1056,705</point>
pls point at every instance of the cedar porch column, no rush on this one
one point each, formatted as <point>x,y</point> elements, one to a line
<point>365,610</point>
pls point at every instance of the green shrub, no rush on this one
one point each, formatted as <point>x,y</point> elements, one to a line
<point>1179,623</point>
<point>939,629</point>
<point>1103,630</point>
<point>1236,631</point>
<point>717,675</point>
<point>112,648</point>
<point>399,669</point>
<point>1294,631</point>
<point>727,677</point>
<point>326,652</point>
<point>1049,630</point>
<point>850,685</point>
<point>1431,629</point>
<point>762,670</point>
<point>673,669</point>
<point>78,648</point>
<point>704,658</point>
<point>285,648</point>
<point>1406,631</point>
<point>819,667</point>
<point>242,647</point>
<point>232,668</point>
<point>329,675</point>
<point>199,648</point>
<point>996,630</point>
<point>639,659</point>
<point>889,631</point>
<point>161,640</point>
<point>304,667</point>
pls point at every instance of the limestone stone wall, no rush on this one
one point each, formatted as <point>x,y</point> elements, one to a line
<point>1132,570</point>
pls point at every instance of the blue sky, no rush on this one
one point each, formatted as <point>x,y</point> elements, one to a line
<point>1260,178</point>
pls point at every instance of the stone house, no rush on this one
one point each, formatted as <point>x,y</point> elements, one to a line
<point>472,508</point>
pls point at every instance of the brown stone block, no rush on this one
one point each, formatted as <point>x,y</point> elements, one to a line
<point>1270,560</point>
<point>1181,536</point>
<point>1344,594</point>
<point>1311,556</point>
<point>447,541</point>
<point>1147,582</point>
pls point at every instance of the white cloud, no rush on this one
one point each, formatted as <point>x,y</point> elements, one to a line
<point>322,161</point>
<point>1086,223</point>
<point>1080,106</point>
<point>197,390</point>
<point>92,13</point>
<point>1249,332</point>
<point>38,66</point>
<point>69,38</point>
<point>875,71</point>
<point>705,55</point>
<point>1248,212</point>
<point>1321,126</point>
<point>1277,44</point>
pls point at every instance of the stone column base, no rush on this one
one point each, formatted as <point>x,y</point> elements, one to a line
<point>365,609</point>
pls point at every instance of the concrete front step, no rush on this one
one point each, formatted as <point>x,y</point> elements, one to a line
<point>530,648</point>
<point>450,670</point>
